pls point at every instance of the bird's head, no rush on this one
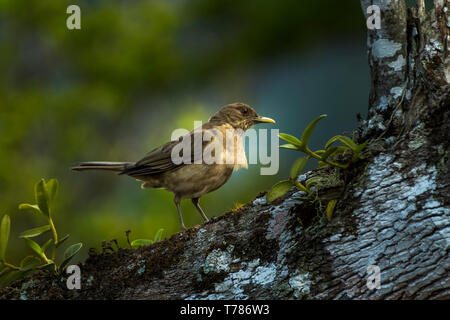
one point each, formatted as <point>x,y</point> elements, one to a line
<point>239,115</point>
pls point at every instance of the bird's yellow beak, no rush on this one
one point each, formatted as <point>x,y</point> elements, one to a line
<point>264,120</point>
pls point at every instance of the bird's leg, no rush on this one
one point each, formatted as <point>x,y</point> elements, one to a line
<point>177,203</point>
<point>195,202</point>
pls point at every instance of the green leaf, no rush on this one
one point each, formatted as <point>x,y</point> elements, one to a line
<point>140,242</point>
<point>5,227</point>
<point>309,129</point>
<point>50,265</point>
<point>330,209</point>
<point>339,150</point>
<point>357,152</point>
<point>346,141</point>
<point>297,167</point>
<point>301,187</point>
<point>46,245</point>
<point>158,235</point>
<point>291,139</point>
<point>30,208</point>
<point>61,241</point>
<point>35,232</point>
<point>327,153</point>
<point>289,146</point>
<point>69,254</point>
<point>10,276</point>
<point>4,271</point>
<point>361,147</point>
<point>278,190</point>
<point>42,198</point>
<point>312,181</point>
<point>34,246</point>
<point>72,250</point>
<point>29,262</point>
<point>52,188</point>
<point>322,164</point>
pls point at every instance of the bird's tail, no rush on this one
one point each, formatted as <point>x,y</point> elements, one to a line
<point>102,165</point>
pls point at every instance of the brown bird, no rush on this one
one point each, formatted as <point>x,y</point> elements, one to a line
<point>205,155</point>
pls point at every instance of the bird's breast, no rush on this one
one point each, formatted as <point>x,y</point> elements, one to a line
<point>223,155</point>
<point>195,180</point>
<point>234,152</point>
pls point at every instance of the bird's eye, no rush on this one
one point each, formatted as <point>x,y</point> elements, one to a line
<point>244,110</point>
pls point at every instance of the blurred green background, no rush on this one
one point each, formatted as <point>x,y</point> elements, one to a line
<point>135,71</point>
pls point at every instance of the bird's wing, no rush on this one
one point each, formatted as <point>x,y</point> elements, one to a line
<point>159,160</point>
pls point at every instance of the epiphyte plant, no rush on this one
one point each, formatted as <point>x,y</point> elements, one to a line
<point>142,242</point>
<point>330,155</point>
<point>45,194</point>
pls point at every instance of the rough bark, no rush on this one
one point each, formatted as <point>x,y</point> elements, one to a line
<point>393,212</point>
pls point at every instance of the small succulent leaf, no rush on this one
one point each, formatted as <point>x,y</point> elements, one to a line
<point>4,271</point>
<point>297,167</point>
<point>46,245</point>
<point>278,190</point>
<point>10,276</point>
<point>34,246</point>
<point>29,262</point>
<point>346,141</point>
<point>312,181</point>
<point>69,254</point>
<point>289,146</point>
<point>330,209</point>
<point>140,242</point>
<point>329,142</point>
<point>32,208</point>
<point>342,149</point>
<point>290,139</point>
<point>42,198</point>
<point>357,152</point>
<point>72,250</point>
<point>61,241</point>
<point>35,232</point>
<point>309,129</point>
<point>328,153</point>
<point>48,266</point>
<point>339,150</point>
<point>158,235</point>
<point>5,227</point>
<point>301,187</point>
<point>52,188</point>
<point>360,147</point>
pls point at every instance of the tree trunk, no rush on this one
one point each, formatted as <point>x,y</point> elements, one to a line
<point>393,213</point>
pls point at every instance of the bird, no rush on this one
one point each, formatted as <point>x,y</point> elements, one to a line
<point>196,175</point>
